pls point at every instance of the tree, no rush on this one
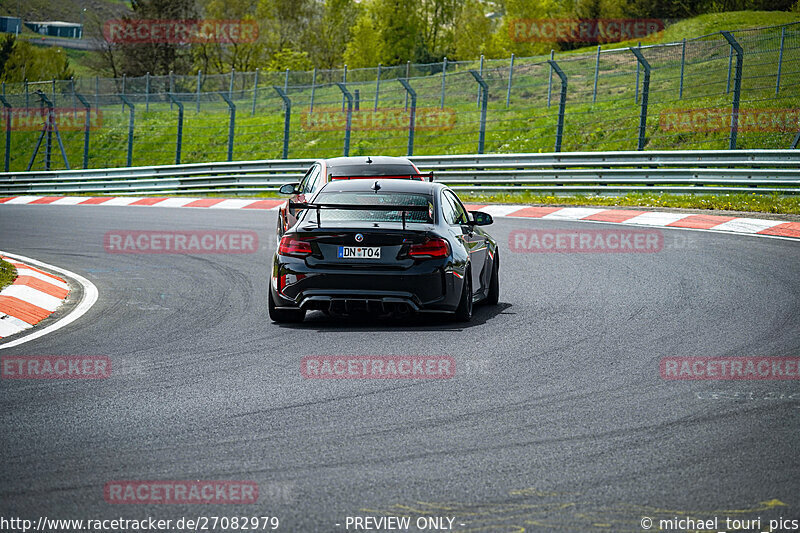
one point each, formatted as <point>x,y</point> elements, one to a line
<point>244,55</point>
<point>328,42</point>
<point>365,48</point>
<point>438,26</point>
<point>291,59</point>
<point>399,27</point>
<point>33,63</point>
<point>473,35</point>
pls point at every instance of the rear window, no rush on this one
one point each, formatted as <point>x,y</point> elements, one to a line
<point>423,202</point>
<point>361,170</point>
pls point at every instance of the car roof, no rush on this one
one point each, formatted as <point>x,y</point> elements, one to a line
<point>387,185</point>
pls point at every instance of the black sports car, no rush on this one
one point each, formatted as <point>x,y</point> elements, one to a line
<point>384,247</point>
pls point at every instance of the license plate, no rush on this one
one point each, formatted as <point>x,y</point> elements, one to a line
<point>359,252</point>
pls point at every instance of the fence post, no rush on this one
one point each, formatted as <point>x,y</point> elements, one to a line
<point>412,116</point>
<point>74,99</point>
<point>780,62</point>
<point>510,77</point>
<point>286,82</point>
<point>444,76</point>
<point>349,122</point>
<point>377,86</point>
<point>645,93</point>
<point>171,82</point>
<point>287,106</point>
<point>86,127</point>
<point>484,102</point>
<point>344,80</point>
<point>562,103</point>
<point>636,92</point>
<point>179,136</point>
<point>123,90</point>
<point>54,93</point>
<point>550,77</point>
<point>596,74</point>
<point>231,121</point>
<point>408,72</point>
<point>480,71</point>
<point>255,93</point>
<point>127,102</point>
<point>7,108</point>
<point>96,92</point>
<point>313,89</point>
<point>737,87</point>
<point>730,65</point>
<point>199,84</point>
<point>683,63</point>
<point>147,92</point>
<point>27,98</point>
<point>357,98</point>
<point>230,86</point>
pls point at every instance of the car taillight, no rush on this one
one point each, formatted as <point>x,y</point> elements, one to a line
<point>430,248</point>
<point>294,247</point>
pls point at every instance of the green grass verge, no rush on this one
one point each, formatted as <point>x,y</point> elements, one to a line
<point>725,202</point>
<point>7,274</point>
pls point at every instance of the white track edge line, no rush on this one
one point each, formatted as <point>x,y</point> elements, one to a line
<point>90,295</point>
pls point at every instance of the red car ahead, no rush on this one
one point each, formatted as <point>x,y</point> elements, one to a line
<point>325,170</point>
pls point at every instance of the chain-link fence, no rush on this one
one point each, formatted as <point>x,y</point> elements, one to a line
<point>725,90</point>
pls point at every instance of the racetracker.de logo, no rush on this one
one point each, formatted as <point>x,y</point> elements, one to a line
<point>730,368</point>
<point>719,120</point>
<point>334,119</point>
<point>55,367</point>
<point>181,242</point>
<point>63,119</point>
<point>180,492</point>
<point>582,30</point>
<point>128,31</point>
<point>586,241</point>
<point>377,367</point>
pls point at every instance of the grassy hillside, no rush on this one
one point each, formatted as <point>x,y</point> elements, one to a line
<point>64,10</point>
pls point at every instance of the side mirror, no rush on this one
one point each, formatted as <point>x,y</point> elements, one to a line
<point>289,188</point>
<point>480,218</point>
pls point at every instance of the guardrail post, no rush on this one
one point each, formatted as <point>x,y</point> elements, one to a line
<point>87,123</point>
<point>683,65</point>
<point>7,112</point>
<point>484,103</point>
<point>645,94</point>
<point>313,88</point>
<point>412,116</point>
<point>737,87</point>
<point>377,87</point>
<point>287,106</point>
<point>550,77</point>
<point>147,92</point>
<point>780,61</point>
<point>255,94</point>
<point>126,102</point>
<point>349,122</point>
<point>179,136</point>
<point>231,122</point>
<point>562,103</point>
<point>596,74</point>
<point>510,77</point>
<point>197,89</point>
<point>344,80</point>
<point>444,77</point>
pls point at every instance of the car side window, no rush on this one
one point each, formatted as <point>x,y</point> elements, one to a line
<point>460,214</point>
<point>448,211</point>
<point>309,183</point>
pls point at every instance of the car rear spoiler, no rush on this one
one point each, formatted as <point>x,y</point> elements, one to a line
<point>429,175</point>
<point>404,209</point>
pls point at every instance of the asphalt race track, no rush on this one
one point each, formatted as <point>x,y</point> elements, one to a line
<point>557,418</point>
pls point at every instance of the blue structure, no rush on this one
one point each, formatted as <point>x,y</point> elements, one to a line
<point>10,24</point>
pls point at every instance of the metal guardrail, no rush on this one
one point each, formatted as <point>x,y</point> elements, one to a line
<point>699,171</point>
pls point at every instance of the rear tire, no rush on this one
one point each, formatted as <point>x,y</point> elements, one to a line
<point>284,316</point>
<point>464,309</point>
<point>493,298</point>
